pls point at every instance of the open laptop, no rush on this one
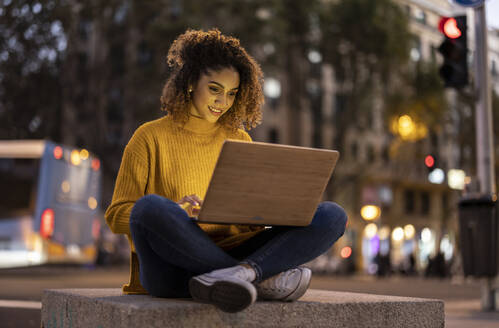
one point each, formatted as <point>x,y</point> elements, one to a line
<point>267,184</point>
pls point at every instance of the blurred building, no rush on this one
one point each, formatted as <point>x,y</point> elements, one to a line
<point>416,212</point>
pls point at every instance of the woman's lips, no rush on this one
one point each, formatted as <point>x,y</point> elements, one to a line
<point>214,111</point>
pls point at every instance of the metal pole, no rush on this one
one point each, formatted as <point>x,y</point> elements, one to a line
<point>484,140</point>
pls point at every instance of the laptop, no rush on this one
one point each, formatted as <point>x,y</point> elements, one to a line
<point>267,184</point>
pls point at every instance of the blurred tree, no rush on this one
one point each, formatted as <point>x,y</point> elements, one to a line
<point>31,42</point>
<point>422,97</point>
<point>367,43</point>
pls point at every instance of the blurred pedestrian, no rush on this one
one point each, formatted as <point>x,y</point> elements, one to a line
<point>214,89</point>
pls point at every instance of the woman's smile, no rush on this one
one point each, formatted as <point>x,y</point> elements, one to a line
<point>214,111</point>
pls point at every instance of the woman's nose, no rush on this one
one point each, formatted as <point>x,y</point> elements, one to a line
<point>223,99</point>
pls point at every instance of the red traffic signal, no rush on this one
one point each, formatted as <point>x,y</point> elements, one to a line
<point>429,161</point>
<point>448,26</point>
<point>454,49</point>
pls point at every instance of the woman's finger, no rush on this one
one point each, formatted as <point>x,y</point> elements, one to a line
<point>197,199</point>
<point>192,200</point>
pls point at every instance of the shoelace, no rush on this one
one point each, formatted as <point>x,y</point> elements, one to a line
<point>240,273</point>
<point>278,284</point>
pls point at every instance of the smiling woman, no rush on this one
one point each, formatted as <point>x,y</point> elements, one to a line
<point>213,91</point>
<point>210,63</point>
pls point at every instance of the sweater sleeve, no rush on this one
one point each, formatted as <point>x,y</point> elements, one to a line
<point>130,184</point>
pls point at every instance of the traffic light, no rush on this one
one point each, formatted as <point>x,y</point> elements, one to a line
<point>430,162</point>
<point>454,49</point>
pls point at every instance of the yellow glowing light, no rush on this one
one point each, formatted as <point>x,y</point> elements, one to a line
<point>370,230</point>
<point>83,154</point>
<point>384,233</point>
<point>398,234</point>
<point>92,203</point>
<point>65,186</point>
<point>409,231</point>
<point>370,212</point>
<point>75,157</point>
<point>406,126</point>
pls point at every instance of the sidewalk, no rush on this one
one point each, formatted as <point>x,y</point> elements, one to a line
<point>461,297</point>
<point>467,314</point>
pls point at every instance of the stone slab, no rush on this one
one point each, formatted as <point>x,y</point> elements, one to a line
<point>108,308</point>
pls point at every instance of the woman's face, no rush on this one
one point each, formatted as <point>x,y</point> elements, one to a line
<point>214,94</point>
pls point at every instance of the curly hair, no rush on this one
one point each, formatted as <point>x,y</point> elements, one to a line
<point>196,52</point>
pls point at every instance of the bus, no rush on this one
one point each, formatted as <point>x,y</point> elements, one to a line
<point>49,203</point>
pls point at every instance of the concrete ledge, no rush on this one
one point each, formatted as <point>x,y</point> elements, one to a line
<point>108,308</point>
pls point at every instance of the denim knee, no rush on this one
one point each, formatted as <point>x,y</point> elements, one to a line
<point>143,207</point>
<point>331,217</point>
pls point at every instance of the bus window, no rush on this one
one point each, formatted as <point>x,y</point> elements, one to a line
<point>18,178</point>
<point>81,183</point>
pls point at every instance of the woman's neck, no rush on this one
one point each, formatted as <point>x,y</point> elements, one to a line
<point>199,125</point>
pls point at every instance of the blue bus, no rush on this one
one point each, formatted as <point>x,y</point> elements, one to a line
<point>49,203</point>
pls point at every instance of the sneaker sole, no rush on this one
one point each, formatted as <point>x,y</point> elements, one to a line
<point>229,295</point>
<point>302,287</point>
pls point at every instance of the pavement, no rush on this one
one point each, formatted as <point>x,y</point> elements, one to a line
<point>461,296</point>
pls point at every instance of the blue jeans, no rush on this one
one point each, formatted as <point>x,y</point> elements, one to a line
<point>172,248</point>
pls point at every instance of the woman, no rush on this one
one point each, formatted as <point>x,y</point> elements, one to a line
<point>214,89</point>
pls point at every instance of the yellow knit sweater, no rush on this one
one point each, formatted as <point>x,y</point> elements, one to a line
<point>172,161</point>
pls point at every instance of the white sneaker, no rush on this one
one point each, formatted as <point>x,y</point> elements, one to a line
<point>228,289</point>
<point>289,285</point>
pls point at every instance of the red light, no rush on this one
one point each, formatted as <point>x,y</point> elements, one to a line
<point>448,26</point>
<point>346,252</point>
<point>429,161</point>
<point>95,164</point>
<point>57,152</point>
<point>47,223</point>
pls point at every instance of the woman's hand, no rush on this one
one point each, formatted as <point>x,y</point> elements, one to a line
<point>191,204</point>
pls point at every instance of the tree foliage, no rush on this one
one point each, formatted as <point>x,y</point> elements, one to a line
<point>367,43</point>
<point>31,42</point>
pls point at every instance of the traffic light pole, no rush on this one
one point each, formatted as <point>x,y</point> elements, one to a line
<point>484,140</point>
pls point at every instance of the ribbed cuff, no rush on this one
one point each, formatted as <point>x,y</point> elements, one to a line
<point>256,268</point>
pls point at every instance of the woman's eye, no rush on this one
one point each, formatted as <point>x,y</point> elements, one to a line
<point>233,94</point>
<point>213,89</point>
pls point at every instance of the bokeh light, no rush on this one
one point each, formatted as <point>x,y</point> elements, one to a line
<point>398,234</point>
<point>65,186</point>
<point>92,203</point>
<point>84,154</point>
<point>426,235</point>
<point>75,157</point>
<point>370,230</point>
<point>370,212</point>
<point>346,252</point>
<point>409,231</point>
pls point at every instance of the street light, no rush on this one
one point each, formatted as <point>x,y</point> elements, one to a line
<point>455,179</point>
<point>407,128</point>
<point>370,212</point>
